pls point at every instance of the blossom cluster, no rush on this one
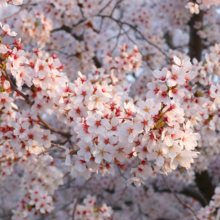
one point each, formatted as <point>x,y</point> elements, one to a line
<point>131,113</point>
<point>195,7</point>
<point>90,210</point>
<point>107,126</point>
<point>211,210</point>
<point>4,3</point>
<point>114,128</point>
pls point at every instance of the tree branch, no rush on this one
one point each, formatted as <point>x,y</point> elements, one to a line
<point>177,197</point>
<point>21,9</point>
<point>195,42</point>
<point>46,125</point>
<point>135,29</point>
<point>78,197</point>
<point>51,128</point>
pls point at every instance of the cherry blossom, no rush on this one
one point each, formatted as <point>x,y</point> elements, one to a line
<point>109,104</point>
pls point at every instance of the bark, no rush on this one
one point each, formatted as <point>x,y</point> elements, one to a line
<point>195,42</point>
<point>204,183</point>
<point>203,179</point>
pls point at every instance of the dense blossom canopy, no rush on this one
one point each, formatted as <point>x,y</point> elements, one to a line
<point>109,109</point>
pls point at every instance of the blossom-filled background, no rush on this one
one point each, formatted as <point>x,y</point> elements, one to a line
<point>109,110</point>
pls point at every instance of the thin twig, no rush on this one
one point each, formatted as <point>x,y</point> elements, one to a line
<point>14,88</point>
<point>51,128</point>
<point>78,197</point>
<point>178,198</point>
<point>115,7</point>
<point>122,174</point>
<point>139,32</point>
<point>58,146</point>
<point>129,38</point>
<point>81,11</point>
<point>116,43</point>
<point>105,6</point>
<point>62,143</point>
<point>21,9</point>
<point>35,120</point>
<point>200,194</point>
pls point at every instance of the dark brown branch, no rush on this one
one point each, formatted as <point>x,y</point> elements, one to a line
<point>204,183</point>
<point>26,97</point>
<point>120,23</point>
<point>80,8</point>
<point>195,42</point>
<point>97,62</point>
<point>105,6</point>
<point>14,88</point>
<point>116,5</point>
<point>57,145</point>
<point>51,128</point>
<point>203,180</point>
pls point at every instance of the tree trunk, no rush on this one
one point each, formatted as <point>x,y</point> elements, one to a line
<point>195,42</point>
<point>203,180</point>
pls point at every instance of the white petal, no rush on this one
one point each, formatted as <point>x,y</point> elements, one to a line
<point>3,49</point>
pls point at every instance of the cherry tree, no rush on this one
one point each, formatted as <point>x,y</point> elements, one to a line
<point>109,109</point>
